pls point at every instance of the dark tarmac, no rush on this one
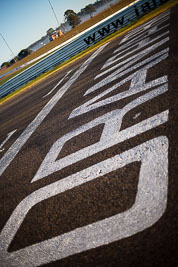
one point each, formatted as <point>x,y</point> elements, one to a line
<point>109,194</point>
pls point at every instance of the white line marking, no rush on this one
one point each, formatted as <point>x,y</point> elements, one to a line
<point>151,197</point>
<point>111,135</point>
<point>141,44</point>
<point>137,85</point>
<point>137,115</point>
<point>153,60</point>
<point>57,84</point>
<point>7,138</point>
<point>132,59</point>
<point>17,145</point>
<point>149,206</point>
<point>141,29</point>
<point>138,38</point>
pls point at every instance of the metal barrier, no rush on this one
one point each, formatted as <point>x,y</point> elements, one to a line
<point>115,22</point>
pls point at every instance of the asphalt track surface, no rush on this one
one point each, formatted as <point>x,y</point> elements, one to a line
<point>113,201</point>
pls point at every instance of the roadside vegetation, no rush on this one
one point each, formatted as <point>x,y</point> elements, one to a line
<point>143,19</point>
<point>70,16</point>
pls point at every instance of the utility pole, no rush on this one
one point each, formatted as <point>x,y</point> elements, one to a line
<point>53,12</point>
<point>8,46</point>
<point>55,16</point>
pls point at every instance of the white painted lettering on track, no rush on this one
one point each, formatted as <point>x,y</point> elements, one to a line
<point>150,204</point>
<point>151,197</point>
<point>7,138</point>
<point>17,145</point>
<point>57,85</point>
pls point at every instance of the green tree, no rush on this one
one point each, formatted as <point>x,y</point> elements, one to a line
<point>89,9</point>
<point>15,59</point>
<point>24,52</point>
<point>72,18</point>
<point>5,64</point>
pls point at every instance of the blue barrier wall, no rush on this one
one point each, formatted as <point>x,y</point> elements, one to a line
<point>116,22</point>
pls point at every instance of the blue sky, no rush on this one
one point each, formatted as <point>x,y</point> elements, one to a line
<point>23,22</point>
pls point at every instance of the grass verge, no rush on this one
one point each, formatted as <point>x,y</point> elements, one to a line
<point>78,29</point>
<point>129,27</point>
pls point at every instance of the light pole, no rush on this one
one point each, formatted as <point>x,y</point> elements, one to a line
<point>8,46</point>
<point>53,12</point>
<point>55,16</point>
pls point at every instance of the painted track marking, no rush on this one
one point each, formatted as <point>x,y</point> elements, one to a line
<point>17,145</point>
<point>57,84</point>
<point>7,138</point>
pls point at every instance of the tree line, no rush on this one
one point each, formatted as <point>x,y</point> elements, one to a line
<point>23,53</point>
<point>72,18</point>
